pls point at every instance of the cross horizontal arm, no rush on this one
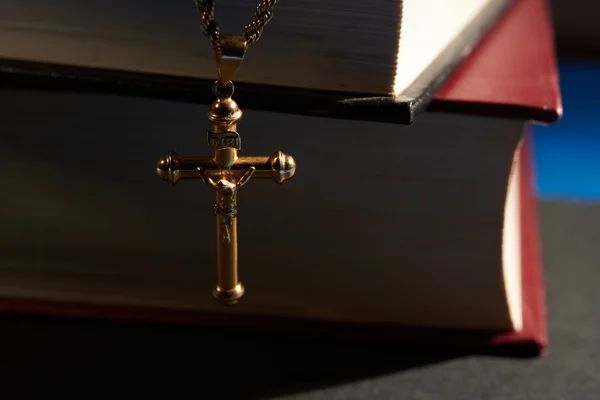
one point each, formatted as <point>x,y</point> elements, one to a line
<point>279,167</point>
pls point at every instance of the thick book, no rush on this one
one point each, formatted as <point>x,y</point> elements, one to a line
<point>424,232</point>
<point>339,57</point>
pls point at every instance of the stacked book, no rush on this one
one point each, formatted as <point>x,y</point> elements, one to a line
<point>412,215</point>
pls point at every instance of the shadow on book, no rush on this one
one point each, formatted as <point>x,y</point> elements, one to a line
<point>92,356</point>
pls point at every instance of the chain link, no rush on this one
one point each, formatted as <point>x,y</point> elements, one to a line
<point>252,31</point>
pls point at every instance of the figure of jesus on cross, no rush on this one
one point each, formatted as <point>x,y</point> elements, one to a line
<point>226,173</point>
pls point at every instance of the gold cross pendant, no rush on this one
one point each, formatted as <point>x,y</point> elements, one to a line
<point>225,172</point>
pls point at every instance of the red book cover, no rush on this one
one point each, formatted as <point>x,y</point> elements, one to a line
<point>512,73</point>
<point>534,332</point>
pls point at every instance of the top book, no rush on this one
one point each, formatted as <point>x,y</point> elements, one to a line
<point>403,49</point>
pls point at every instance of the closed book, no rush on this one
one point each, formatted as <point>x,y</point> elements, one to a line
<point>337,58</point>
<point>424,232</point>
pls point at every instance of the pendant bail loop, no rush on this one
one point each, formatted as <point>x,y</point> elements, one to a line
<point>233,49</point>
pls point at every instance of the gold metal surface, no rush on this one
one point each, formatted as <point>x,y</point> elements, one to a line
<point>279,167</point>
<point>233,49</point>
<point>226,173</point>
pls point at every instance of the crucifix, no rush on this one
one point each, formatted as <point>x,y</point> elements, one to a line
<point>225,172</point>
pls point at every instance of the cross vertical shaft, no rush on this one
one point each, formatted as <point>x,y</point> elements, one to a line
<point>227,256</point>
<point>224,116</point>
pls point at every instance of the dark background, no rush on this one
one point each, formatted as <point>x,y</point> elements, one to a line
<point>577,28</point>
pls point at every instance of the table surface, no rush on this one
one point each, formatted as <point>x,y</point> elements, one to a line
<point>89,358</point>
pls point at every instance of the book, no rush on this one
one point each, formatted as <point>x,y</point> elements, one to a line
<point>358,53</point>
<point>423,232</point>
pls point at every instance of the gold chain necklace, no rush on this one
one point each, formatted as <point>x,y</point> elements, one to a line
<point>225,172</point>
<point>252,31</point>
